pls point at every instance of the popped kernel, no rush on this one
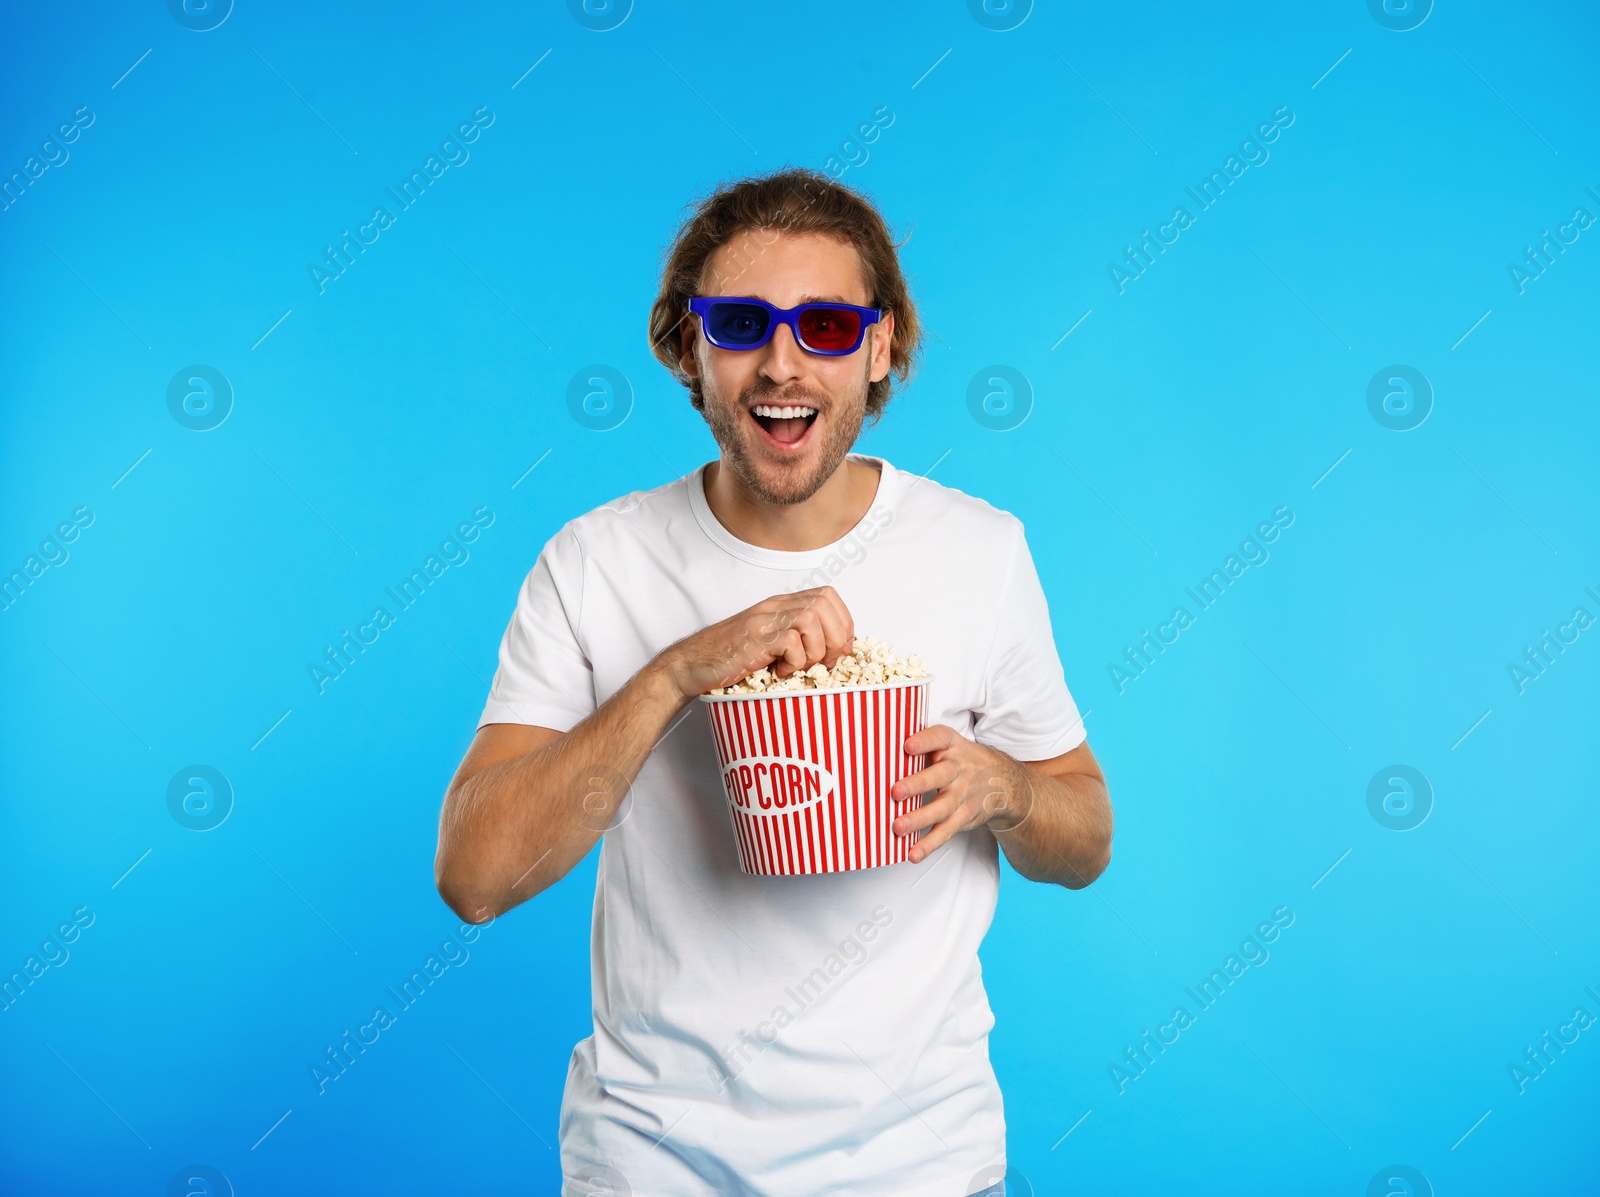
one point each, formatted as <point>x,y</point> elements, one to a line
<point>870,662</point>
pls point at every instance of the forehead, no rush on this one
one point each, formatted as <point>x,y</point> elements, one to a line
<point>786,268</point>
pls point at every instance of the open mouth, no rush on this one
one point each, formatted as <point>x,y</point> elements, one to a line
<point>785,426</point>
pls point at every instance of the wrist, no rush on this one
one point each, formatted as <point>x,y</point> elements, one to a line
<point>663,680</point>
<point>1008,799</point>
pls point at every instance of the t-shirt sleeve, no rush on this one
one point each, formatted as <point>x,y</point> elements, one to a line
<point>1027,711</point>
<point>544,678</point>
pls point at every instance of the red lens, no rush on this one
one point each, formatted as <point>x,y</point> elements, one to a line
<point>833,330</point>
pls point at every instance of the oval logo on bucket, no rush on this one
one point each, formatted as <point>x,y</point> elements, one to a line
<point>775,785</point>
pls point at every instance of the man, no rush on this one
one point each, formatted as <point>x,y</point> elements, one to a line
<point>776,1036</point>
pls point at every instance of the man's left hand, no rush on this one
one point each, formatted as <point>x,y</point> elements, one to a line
<point>978,787</point>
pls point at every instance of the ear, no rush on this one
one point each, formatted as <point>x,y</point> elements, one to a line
<point>688,336</point>
<point>882,339</point>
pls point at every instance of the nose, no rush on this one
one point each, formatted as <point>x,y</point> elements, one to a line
<point>784,360</point>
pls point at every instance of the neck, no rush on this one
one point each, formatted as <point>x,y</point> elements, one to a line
<point>838,505</point>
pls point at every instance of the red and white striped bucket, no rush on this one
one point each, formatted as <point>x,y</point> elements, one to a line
<point>807,774</point>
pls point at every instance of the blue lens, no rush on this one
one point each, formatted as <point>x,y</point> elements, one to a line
<point>737,323</point>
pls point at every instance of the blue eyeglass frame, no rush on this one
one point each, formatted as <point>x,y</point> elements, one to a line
<point>702,306</point>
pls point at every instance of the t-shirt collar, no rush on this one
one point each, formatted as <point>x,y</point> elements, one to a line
<point>889,483</point>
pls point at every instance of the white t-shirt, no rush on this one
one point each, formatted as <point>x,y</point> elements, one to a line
<point>773,1036</point>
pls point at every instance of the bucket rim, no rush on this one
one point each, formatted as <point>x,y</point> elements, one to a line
<point>900,685</point>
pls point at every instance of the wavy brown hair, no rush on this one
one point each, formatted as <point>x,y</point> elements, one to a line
<point>789,201</point>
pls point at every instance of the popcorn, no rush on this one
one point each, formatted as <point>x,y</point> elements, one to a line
<point>870,662</point>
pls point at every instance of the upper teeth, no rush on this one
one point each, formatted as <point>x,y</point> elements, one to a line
<point>783,413</point>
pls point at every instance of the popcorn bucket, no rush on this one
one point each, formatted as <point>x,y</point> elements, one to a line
<point>807,774</point>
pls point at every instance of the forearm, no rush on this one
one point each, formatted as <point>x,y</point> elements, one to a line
<point>516,827</point>
<point>1053,829</point>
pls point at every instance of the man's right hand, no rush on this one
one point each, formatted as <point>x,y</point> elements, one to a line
<point>796,630</point>
<point>527,803</point>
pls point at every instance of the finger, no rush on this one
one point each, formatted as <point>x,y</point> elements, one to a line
<point>838,628</point>
<point>937,738</point>
<point>935,777</point>
<point>770,628</point>
<point>813,636</point>
<point>926,815</point>
<point>799,621</point>
<point>791,651</point>
<point>939,834</point>
<point>807,620</point>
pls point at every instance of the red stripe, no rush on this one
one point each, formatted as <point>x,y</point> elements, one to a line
<point>880,794</point>
<point>915,763</point>
<point>911,730</point>
<point>842,780</point>
<point>747,748</point>
<point>830,755</point>
<point>831,702</point>
<point>761,826</point>
<point>725,730</point>
<point>919,721</point>
<point>907,730</point>
<point>747,728</point>
<point>863,745</point>
<point>869,719</point>
<point>912,727</point>
<point>811,838</point>
<point>902,723</point>
<point>813,813</point>
<point>736,717</point>
<point>740,716</point>
<point>886,771</point>
<point>717,709</point>
<point>724,724</point>
<point>784,709</point>
<point>846,788</point>
<point>877,799</point>
<point>761,730</point>
<point>738,835</point>
<point>808,726</point>
<point>791,712</point>
<point>766,725</point>
<point>892,765</point>
<point>864,738</point>
<point>758,826</point>
<point>891,706</point>
<point>853,709</point>
<point>741,821</point>
<point>896,755</point>
<point>775,717</point>
<point>786,844</point>
<point>901,763</point>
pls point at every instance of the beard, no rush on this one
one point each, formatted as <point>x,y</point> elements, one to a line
<point>785,483</point>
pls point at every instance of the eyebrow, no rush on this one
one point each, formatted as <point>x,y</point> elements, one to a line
<point>804,299</point>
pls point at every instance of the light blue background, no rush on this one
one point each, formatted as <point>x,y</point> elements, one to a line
<point>1223,383</point>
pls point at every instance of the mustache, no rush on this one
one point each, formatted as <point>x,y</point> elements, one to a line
<point>781,395</point>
